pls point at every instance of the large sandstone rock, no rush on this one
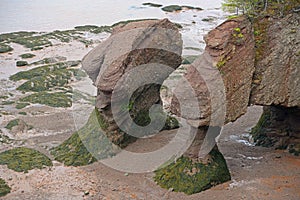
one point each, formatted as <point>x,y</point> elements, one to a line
<point>276,83</point>
<point>226,67</point>
<point>277,71</point>
<point>263,70</point>
<point>128,69</point>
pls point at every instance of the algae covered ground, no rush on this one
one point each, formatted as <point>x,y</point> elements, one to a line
<point>4,188</point>
<point>23,159</point>
<point>87,145</point>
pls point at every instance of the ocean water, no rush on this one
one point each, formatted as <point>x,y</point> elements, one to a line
<point>47,15</point>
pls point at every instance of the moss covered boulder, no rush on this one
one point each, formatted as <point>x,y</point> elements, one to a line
<point>23,159</point>
<point>4,188</point>
<point>190,176</point>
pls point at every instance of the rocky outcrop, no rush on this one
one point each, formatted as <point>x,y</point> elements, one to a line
<point>277,74</point>
<point>128,69</point>
<point>276,82</point>
<point>258,63</point>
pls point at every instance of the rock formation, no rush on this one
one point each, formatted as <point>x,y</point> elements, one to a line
<point>128,69</point>
<point>259,64</point>
<point>276,82</point>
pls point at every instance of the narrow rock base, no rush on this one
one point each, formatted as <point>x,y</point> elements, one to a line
<point>190,176</point>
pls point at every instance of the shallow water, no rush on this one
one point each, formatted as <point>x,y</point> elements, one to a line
<point>46,15</point>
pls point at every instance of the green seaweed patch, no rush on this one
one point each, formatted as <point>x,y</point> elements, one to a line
<point>8,102</point>
<point>12,123</point>
<point>21,63</point>
<point>47,77</point>
<point>4,97</point>
<point>4,48</point>
<point>4,139</point>
<point>27,55</point>
<point>76,151</point>
<point>190,177</point>
<point>26,75</point>
<point>93,29</point>
<point>172,8</point>
<point>8,37</point>
<point>23,159</point>
<point>4,188</point>
<point>37,41</point>
<point>152,5</point>
<point>16,122</point>
<point>33,41</point>
<point>22,105</point>
<point>22,113</point>
<point>49,60</point>
<point>52,99</point>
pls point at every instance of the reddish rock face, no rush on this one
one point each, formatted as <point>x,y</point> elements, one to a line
<point>226,68</point>
<point>231,46</point>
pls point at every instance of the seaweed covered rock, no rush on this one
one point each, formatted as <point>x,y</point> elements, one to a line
<point>4,188</point>
<point>23,159</point>
<point>133,69</point>
<point>87,145</point>
<point>191,176</point>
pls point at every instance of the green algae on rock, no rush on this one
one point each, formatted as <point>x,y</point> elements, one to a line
<point>39,40</point>
<point>23,159</point>
<point>22,105</point>
<point>27,55</point>
<point>18,122</point>
<point>52,99</point>
<point>12,123</point>
<point>188,176</point>
<point>47,77</point>
<point>4,48</point>
<point>4,188</point>
<point>21,63</point>
<point>172,8</point>
<point>87,145</point>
